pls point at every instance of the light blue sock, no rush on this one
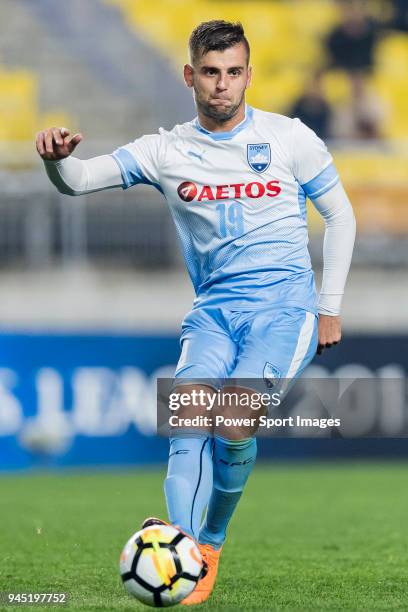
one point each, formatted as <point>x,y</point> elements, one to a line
<point>233,461</point>
<point>189,481</point>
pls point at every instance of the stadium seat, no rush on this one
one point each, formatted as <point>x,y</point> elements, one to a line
<point>18,107</point>
<point>390,81</point>
<point>20,117</point>
<point>281,31</point>
<point>286,45</point>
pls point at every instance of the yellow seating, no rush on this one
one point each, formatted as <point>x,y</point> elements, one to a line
<point>286,41</point>
<point>376,185</point>
<point>391,83</point>
<point>18,109</point>
<point>284,36</point>
<point>286,45</point>
<point>20,118</point>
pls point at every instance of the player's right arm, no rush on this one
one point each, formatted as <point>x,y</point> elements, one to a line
<point>70,175</point>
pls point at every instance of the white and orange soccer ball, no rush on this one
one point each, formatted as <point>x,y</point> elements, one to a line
<point>160,565</point>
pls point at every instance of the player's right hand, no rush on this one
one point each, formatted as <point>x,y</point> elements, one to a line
<point>56,143</point>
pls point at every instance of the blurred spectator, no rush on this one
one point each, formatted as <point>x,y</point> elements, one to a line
<point>313,108</point>
<point>351,44</point>
<point>399,20</point>
<point>362,117</point>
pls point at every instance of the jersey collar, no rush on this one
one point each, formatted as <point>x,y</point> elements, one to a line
<point>249,111</point>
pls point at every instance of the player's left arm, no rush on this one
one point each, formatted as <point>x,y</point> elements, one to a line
<point>314,170</point>
<point>336,210</point>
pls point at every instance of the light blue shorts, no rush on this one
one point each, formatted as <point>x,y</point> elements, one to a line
<point>267,344</point>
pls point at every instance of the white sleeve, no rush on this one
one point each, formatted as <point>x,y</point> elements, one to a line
<point>336,210</point>
<point>140,161</point>
<point>314,170</point>
<point>132,164</point>
<point>74,176</point>
<point>313,165</point>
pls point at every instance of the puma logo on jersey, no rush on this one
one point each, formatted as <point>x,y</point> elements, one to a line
<point>197,155</point>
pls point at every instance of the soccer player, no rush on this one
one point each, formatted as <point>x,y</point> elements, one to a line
<point>236,180</point>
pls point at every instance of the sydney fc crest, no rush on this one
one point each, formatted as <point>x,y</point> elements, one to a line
<point>271,375</point>
<point>259,156</point>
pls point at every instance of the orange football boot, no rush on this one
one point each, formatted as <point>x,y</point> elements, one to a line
<point>205,585</point>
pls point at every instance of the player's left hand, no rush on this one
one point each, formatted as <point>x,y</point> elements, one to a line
<point>329,332</point>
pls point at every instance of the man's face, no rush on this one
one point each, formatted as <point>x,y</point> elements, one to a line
<point>219,80</point>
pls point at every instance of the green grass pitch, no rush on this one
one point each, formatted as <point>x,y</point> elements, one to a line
<point>312,537</point>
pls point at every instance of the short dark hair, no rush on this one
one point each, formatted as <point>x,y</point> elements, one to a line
<point>216,35</point>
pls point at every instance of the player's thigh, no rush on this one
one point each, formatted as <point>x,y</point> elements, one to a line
<point>274,348</point>
<point>277,345</point>
<point>208,352</point>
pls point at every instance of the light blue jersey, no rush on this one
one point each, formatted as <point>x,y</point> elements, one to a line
<point>238,200</point>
